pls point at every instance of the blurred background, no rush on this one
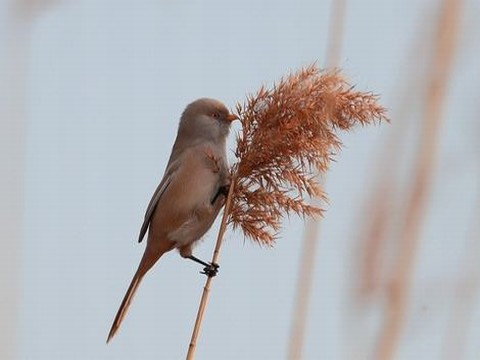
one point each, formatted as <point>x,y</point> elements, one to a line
<point>90,96</point>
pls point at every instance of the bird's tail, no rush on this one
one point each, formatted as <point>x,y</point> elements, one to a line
<point>127,299</point>
<point>148,260</point>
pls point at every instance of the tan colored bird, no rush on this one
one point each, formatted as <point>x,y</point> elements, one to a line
<point>190,195</point>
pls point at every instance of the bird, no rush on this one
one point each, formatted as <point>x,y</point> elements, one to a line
<point>190,195</point>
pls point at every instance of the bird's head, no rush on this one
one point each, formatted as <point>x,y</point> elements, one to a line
<point>206,119</point>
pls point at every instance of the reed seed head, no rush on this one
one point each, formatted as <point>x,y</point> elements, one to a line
<point>288,138</point>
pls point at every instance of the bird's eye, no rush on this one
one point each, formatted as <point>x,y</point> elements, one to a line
<point>215,115</point>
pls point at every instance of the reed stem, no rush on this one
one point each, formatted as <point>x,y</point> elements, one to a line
<point>206,289</point>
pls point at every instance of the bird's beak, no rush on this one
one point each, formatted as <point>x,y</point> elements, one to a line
<point>231,117</point>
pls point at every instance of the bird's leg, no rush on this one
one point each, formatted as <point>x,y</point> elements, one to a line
<point>197,260</point>
<point>211,269</point>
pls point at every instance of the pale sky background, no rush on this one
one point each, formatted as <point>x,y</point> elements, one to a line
<point>105,82</point>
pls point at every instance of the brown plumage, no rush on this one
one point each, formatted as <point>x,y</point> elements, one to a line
<point>191,193</point>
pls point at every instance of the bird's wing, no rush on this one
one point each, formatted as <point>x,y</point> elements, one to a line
<point>161,188</point>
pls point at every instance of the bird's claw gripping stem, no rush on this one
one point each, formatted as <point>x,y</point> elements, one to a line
<point>211,270</point>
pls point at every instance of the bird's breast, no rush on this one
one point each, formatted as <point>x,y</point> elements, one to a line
<point>185,213</point>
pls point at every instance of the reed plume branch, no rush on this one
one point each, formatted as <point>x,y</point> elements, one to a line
<point>289,137</point>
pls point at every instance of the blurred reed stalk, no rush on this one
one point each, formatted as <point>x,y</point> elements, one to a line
<point>465,294</point>
<point>312,226</point>
<point>19,15</point>
<point>375,224</point>
<point>16,41</point>
<point>415,210</point>
<point>335,33</point>
<point>303,290</point>
<point>375,219</point>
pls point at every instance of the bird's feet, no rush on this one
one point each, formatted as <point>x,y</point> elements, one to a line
<point>224,190</point>
<point>211,270</point>
<point>221,195</point>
